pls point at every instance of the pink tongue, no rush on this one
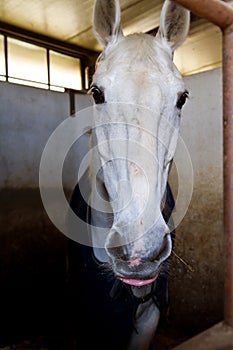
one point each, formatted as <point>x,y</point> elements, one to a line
<point>138,283</point>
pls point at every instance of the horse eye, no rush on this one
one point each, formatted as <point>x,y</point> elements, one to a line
<point>182,99</point>
<point>97,94</point>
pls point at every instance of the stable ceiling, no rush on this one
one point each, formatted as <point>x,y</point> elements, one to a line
<point>70,21</point>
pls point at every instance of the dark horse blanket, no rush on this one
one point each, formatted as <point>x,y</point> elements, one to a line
<point>102,308</point>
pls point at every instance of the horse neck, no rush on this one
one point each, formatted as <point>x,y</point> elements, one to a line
<point>141,292</point>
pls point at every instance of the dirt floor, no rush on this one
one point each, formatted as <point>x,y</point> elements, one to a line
<point>162,343</point>
<point>164,340</point>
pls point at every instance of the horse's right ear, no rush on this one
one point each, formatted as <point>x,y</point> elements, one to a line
<point>174,24</point>
<point>107,21</point>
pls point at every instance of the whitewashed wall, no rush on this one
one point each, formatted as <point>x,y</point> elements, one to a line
<point>28,116</point>
<point>32,250</point>
<point>197,296</point>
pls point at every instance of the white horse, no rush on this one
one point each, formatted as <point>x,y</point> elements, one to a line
<point>138,94</point>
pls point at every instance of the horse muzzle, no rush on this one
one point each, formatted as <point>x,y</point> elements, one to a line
<point>139,263</point>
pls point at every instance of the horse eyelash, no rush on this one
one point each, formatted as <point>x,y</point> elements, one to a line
<point>99,99</point>
<point>182,99</point>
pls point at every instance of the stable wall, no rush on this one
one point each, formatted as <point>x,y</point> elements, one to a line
<point>28,118</point>
<point>32,250</point>
<point>197,289</point>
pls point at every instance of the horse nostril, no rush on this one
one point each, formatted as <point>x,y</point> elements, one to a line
<point>114,247</point>
<point>118,253</point>
<point>135,254</point>
<point>166,249</point>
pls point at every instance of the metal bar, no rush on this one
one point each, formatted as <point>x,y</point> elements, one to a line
<point>6,56</point>
<point>72,102</point>
<point>83,74</point>
<point>215,11</point>
<point>228,171</point>
<point>221,14</point>
<point>48,66</point>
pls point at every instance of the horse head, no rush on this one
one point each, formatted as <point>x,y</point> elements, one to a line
<point>138,94</point>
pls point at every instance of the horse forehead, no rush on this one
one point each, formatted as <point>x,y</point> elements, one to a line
<point>139,81</point>
<point>133,75</point>
<point>138,65</point>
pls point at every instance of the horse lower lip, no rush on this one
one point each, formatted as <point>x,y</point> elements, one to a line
<point>136,282</point>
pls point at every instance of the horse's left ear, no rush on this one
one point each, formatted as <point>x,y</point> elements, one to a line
<point>174,24</point>
<point>107,21</point>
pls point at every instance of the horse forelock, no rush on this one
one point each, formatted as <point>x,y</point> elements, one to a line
<point>136,50</point>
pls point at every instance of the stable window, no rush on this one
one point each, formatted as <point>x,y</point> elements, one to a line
<point>30,64</point>
<point>27,63</point>
<point>65,71</point>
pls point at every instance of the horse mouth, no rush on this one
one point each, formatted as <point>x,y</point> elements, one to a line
<point>138,276</point>
<point>138,282</point>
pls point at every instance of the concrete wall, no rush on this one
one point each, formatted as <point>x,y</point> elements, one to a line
<point>28,118</point>
<point>32,250</point>
<point>197,296</point>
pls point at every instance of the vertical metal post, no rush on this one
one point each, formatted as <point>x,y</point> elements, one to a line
<point>48,67</point>
<point>228,171</point>
<point>6,57</point>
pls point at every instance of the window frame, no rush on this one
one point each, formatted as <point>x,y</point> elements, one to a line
<point>87,57</point>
